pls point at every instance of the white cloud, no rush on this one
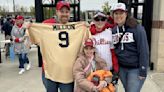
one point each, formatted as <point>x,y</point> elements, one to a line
<point>85,4</point>
<point>95,4</point>
<point>8,4</point>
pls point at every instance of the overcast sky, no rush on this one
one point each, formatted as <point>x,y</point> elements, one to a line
<point>85,4</point>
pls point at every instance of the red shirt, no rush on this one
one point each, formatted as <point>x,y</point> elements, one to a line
<point>51,20</point>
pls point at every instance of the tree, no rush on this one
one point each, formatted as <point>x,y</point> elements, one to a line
<point>49,12</point>
<point>21,9</point>
<point>17,8</point>
<point>106,8</point>
<point>32,10</point>
<point>3,10</point>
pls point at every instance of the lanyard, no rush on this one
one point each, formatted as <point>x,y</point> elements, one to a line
<point>93,64</point>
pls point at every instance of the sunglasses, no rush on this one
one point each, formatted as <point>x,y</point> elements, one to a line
<point>100,19</point>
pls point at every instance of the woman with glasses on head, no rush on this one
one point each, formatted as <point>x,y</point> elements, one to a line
<point>102,36</point>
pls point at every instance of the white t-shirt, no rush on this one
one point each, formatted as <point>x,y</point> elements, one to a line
<point>103,44</point>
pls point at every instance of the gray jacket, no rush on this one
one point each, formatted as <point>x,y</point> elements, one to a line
<point>23,45</point>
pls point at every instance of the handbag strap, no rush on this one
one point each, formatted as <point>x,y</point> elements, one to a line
<point>90,65</point>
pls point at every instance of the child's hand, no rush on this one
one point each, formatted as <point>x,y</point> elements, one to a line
<point>95,89</point>
<point>108,80</point>
<point>101,85</point>
<point>141,78</point>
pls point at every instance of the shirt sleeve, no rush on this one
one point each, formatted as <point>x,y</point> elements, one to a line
<point>143,50</point>
<point>110,39</point>
<point>35,33</point>
<point>12,33</point>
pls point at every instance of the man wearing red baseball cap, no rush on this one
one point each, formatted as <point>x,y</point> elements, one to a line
<point>63,16</point>
<point>61,4</point>
<point>63,12</point>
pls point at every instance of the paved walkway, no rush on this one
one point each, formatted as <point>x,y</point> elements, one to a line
<point>11,81</point>
<point>30,81</point>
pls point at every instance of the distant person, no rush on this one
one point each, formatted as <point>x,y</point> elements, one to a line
<point>1,23</point>
<point>131,48</point>
<point>21,42</point>
<point>7,27</point>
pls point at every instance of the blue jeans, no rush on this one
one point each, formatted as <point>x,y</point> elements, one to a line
<point>23,59</point>
<point>130,79</point>
<point>44,80</point>
<point>52,86</point>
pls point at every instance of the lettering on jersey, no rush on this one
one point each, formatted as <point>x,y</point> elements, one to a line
<point>115,38</point>
<point>101,41</point>
<point>62,27</point>
<point>127,38</point>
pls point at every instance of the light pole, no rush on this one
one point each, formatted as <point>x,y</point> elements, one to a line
<point>14,6</point>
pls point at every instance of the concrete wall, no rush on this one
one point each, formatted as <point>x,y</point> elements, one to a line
<point>157,38</point>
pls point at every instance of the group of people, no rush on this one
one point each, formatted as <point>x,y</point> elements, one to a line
<point>72,51</point>
<point>6,27</point>
<point>126,42</point>
<point>15,32</point>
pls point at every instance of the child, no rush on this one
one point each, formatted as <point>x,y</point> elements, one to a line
<point>88,62</point>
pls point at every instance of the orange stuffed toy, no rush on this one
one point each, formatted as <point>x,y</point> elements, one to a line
<point>101,75</point>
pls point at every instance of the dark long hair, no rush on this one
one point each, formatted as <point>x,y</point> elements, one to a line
<point>131,22</point>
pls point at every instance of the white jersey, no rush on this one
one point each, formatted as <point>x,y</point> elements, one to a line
<point>103,44</point>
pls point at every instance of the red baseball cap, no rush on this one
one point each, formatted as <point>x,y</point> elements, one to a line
<point>19,17</point>
<point>89,42</point>
<point>61,4</point>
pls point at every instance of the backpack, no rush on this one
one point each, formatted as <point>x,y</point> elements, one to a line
<point>100,75</point>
